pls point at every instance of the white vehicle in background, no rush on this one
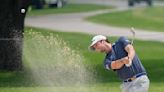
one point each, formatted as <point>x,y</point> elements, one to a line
<point>55,3</point>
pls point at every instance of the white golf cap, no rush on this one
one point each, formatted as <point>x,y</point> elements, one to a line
<point>96,39</point>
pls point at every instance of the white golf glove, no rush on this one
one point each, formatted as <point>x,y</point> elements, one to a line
<point>130,63</point>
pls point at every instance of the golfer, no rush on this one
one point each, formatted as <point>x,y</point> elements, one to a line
<point>121,58</point>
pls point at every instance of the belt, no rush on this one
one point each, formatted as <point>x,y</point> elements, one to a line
<point>134,77</point>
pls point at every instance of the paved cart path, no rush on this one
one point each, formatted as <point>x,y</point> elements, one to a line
<point>75,22</point>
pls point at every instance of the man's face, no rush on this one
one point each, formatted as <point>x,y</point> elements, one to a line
<point>101,46</point>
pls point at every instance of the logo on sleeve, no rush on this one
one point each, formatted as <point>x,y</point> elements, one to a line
<point>127,41</point>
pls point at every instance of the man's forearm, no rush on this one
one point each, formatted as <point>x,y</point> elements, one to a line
<point>119,63</point>
<point>126,60</point>
<point>130,50</point>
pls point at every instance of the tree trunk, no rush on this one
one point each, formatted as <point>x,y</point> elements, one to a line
<point>11,33</point>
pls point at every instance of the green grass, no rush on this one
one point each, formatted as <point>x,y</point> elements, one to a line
<point>69,8</point>
<point>111,87</point>
<point>151,18</point>
<point>151,54</point>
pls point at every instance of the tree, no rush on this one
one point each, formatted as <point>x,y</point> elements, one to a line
<point>11,33</point>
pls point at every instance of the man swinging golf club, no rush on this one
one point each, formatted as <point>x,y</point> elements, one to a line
<point>121,58</point>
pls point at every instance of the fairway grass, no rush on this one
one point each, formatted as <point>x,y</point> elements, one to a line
<point>69,8</point>
<point>151,18</point>
<point>108,87</point>
<point>150,52</point>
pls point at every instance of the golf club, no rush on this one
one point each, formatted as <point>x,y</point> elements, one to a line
<point>133,33</point>
<point>132,41</point>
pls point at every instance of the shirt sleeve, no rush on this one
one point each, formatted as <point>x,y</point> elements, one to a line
<point>124,40</point>
<point>107,64</point>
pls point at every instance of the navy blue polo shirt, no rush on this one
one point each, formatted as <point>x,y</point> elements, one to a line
<point>118,52</point>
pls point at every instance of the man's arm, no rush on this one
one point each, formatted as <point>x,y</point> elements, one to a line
<point>126,60</point>
<point>117,64</point>
<point>130,50</point>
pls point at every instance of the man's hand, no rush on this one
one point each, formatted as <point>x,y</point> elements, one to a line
<point>130,50</point>
<point>127,61</point>
<point>131,53</point>
<point>119,63</point>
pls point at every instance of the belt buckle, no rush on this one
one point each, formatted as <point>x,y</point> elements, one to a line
<point>131,79</point>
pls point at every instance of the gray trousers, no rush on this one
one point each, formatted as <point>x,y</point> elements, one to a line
<point>141,84</point>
